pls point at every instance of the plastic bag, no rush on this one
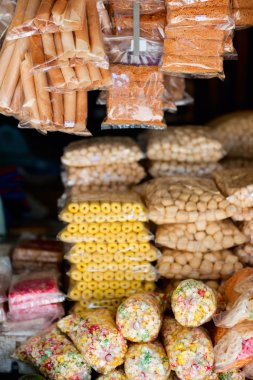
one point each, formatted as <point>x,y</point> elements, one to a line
<point>151,26</point>
<point>102,151</point>
<point>236,185</point>
<point>128,174</point>
<point>238,295</point>
<point>25,328</point>
<point>139,318</point>
<point>190,350</point>
<point>200,237</point>
<point>173,168</point>
<point>46,251</point>
<point>135,98</point>
<point>243,13</point>
<point>51,311</point>
<point>109,233</point>
<point>243,214</point>
<point>198,265</point>
<point>184,144</point>
<point>52,354</point>
<point>175,92</point>
<point>119,50</point>
<point>146,7</point>
<point>185,200</point>
<point>104,207</point>
<point>7,8</point>
<point>34,289</point>
<point>104,17</point>
<point>234,347</point>
<point>97,338</point>
<point>155,367</point>
<point>235,132</point>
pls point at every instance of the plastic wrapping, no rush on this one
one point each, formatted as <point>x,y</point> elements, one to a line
<point>34,289</point>
<point>236,185</point>
<point>193,303</point>
<point>125,174</point>
<point>173,168</point>
<point>118,374</point>
<point>110,288</point>
<point>97,338</point>
<point>200,237</point>
<point>119,50</point>
<point>235,132</point>
<point>190,351</point>
<point>146,7</point>
<point>243,13</point>
<point>45,251</point>
<point>7,8</point>
<point>135,98</point>
<point>151,26</point>
<point>243,214</point>
<point>105,233</point>
<point>52,354</point>
<point>184,144</point>
<point>139,318</point>
<point>25,328</point>
<point>238,296</point>
<point>102,151</point>
<point>234,347</point>
<point>147,361</point>
<point>185,200</point>
<point>51,312</point>
<point>175,94</point>
<point>102,207</point>
<point>200,266</point>
<point>104,17</point>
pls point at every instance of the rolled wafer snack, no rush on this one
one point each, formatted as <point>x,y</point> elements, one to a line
<point>238,292</point>
<point>193,303</point>
<point>233,347</point>
<point>118,374</point>
<point>185,200</point>
<point>190,351</point>
<point>94,333</point>
<point>147,361</point>
<point>139,318</point>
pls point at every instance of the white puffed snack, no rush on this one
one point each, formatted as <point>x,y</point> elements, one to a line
<point>184,144</point>
<point>185,200</point>
<point>118,173</point>
<point>245,253</point>
<point>237,185</point>
<point>173,168</point>
<point>181,265</point>
<point>200,236</point>
<point>102,151</point>
<point>243,214</point>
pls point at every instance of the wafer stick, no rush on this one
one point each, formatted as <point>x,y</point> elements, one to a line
<point>96,41</point>
<point>30,12</point>
<point>56,78</point>
<point>58,11</point>
<point>43,97</point>
<point>68,44</point>
<point>74,14</point>
<point>5,58</point>
<point>58,44</point>
<point>81,109</point>
<point>95,75</point>
<point>29,88</point>
<point>18,99</point>
<point>49,47</point>
<point>107,77</point>
<point>42,17</point>
<point>83,76</point>
<point>69,109</point>
<point>18,16</point>
<point>82,42</point>
<point>69,77</point>
<point>57,104</point>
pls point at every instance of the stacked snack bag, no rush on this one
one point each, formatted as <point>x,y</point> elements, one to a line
<point>243,13</point>
<point>52,55</point>
<point>196,36</point>
<point>192,218</point>
<point>188,151</point>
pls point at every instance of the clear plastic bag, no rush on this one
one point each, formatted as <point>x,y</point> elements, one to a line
<point>236,185</point>
<point>151,26</point>
<point>97,338</point>
<point>235,132</point>
<point>46,251</point>
<point>25,328</point>
<point>243,13</point>
<point>233,347</point>
<point>146,7</point>
<point>184,144</point>
<point>34,289</point>
<point>175,94</point>
<point>108,233</point>
<point>156,367</point>
<point>104,207</point>
<point>185,200</point>
<point>102,151</point>
<point>127,174</point>
<point>200,237</point>
<point>181,265</point>
<point>135,99</point>
<point>7,8</point>
<point>119,50</point>
<point>52,312</point>
<point>52,354</point>
<point>173,168</point>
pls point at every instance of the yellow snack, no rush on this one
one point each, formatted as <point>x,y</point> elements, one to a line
<point>73,208</point>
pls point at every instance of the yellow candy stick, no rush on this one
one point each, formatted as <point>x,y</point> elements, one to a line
<point>95,207</point>
<point>97,258</point>
<point>113,285</point>
<point>114,267</point>
<point>90,218</point>
<point>121,237</point>
<point>123,247</point>
<point>151,255</point>
<point>104,228</point>
<point>138,227</point>
<point>138,208</point>
<point>151,276</point>
<point>79,247</point>
<point>135,247</point>
<point>135,285</point>
<point>115,207</point>
<point>99,237</point>
<point>115,228</point>
<point>108,258</point>
<point>98,276</point>
<point>87,277</point>
<point>72,228</point>
<point>119,293</point>
<point>127,227</point>
<point>90,247</point>
<point>99,294</point>
<point>110,238</point>
<point>84,208</point>
<point>121,217</point>
<point>65,236</point>
<point>149,286</point>
<point>75,275</point>
<point>100,218</point>
<point>109,293</point>
<point>67,217</point>
<point>119,257</point>
<point>81,267</point>
<point>109,276</point>
<point>119,276</point>
<point>83,228</point>
<point>103,267</point>
<point>131,237</point>
<point>73,208</point>
<point>102,248</point>
<point>127,208</point>
<point>74,259</point>
<point>124,285</point>
<point>124,267</point>
<point>138,276</point>
<point>92,286</point>
<point>105,207</point>
<point>145,247</point>
<point>103,285</point>
<point>87,294</point>
<point>78,218</point>
<point>93,228</point>
<point>112,247</point>
<point>87,258</point>
<point>128,275</point>
<point>112,218</point>
<point>81,286</point>
<point>74,294</point>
